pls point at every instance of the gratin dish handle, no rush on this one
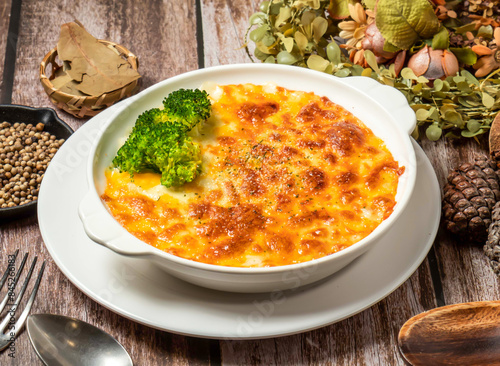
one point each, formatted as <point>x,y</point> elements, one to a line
<point>391,99</point>
<point>101,228</point>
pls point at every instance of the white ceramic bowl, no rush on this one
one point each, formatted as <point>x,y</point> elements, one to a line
<point>383,109</point>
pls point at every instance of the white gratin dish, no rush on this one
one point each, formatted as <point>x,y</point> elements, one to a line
<point>381,108</point>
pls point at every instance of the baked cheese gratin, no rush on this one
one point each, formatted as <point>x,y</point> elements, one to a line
<point>288,176</point>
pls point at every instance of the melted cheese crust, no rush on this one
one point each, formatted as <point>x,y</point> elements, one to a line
<point>288,176</point>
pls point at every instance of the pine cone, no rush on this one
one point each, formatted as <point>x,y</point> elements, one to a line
<point>469,197</point>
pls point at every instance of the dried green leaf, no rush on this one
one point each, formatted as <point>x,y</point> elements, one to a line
<point>433,132</point>
<point>333,52</point>
<point>96,68</point>
<point>464,87</point>
<point>318,63</point>
<point>487,100</point>
<point>284,14</point>
<point>434,114</point>
<point>319,26</point>
<point>422,79</point>
<point>403,22</point>
<point>446,107</point>
<point>469,27</point>
<point>370,4</point>
<point>355,70</point>
<point>367,72</point>
<point>338,9</point>
<point>258,33</point>
<point>438,84</point>
<point>422,114</point>
<point>388,47</point>
<point>417,88</point>
<point>458,79</point>
<point>408,73</point>
<point>485,31</point>
<point>474,102</point>
<point>315,4</point>
<point>453,117</point>
<point>257,18</point>
<point>288,42</point>
<point>307,18</point>
<point>371,60</point>
<point>301,41</point>
<point>471,79</point>
<point>466,133</point>
<point>259,54</point>
<point>270,60</point>
<point>287,58</point>
<point>473,125</point>
<point>262,48</point>
<point>416,107</point>
<point>441,39</point>
<point>464,55</point>
<point>342,73</point>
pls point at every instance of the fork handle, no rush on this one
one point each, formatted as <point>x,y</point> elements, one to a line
<point>103,229</point>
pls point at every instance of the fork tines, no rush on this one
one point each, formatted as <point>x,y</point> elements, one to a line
<point>12,323</point>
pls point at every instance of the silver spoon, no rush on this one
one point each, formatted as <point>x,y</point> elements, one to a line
<point>60,340</point>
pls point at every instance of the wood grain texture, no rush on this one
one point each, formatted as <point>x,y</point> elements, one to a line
<point>163,35</point>
<point>224,32</point>
<point>4,32</point>
<point>155,31</point>
<point>462,334</point>
<point>464,269</point>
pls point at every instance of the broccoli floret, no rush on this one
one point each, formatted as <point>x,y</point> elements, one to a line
<point>159,141</point>
<point>189,107</point>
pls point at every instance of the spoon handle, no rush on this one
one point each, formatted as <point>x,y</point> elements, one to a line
<point>460,334</point>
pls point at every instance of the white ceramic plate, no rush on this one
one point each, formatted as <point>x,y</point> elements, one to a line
<point>139,291</point>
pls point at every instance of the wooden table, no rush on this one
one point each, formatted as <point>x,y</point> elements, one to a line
<point>172,37</point>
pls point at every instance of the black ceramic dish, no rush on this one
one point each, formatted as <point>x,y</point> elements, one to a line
<point>53,124</point>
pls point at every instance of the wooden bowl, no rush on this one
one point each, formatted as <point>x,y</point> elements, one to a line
<point>85,106</point>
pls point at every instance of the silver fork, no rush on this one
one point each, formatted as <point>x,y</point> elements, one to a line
<point>10,326</point>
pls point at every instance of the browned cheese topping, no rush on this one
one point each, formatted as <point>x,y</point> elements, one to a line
<point>288,176</point>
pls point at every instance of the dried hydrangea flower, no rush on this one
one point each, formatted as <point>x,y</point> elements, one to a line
<point>353,31</point>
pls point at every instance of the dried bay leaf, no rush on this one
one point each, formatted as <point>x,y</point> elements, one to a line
<point>96,68</point>
<point>64,83</point>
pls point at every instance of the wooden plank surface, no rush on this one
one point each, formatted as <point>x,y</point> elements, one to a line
<point>152,30</point>
<point>163,35</point>
<point>5,7</point>
<point>464,269</point>
<point>5,10</point>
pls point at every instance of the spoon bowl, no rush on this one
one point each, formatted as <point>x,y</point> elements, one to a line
<point>61,340</point>
<point>459,334</point>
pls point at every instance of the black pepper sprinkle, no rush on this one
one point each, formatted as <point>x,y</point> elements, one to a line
<point>19,184</point>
